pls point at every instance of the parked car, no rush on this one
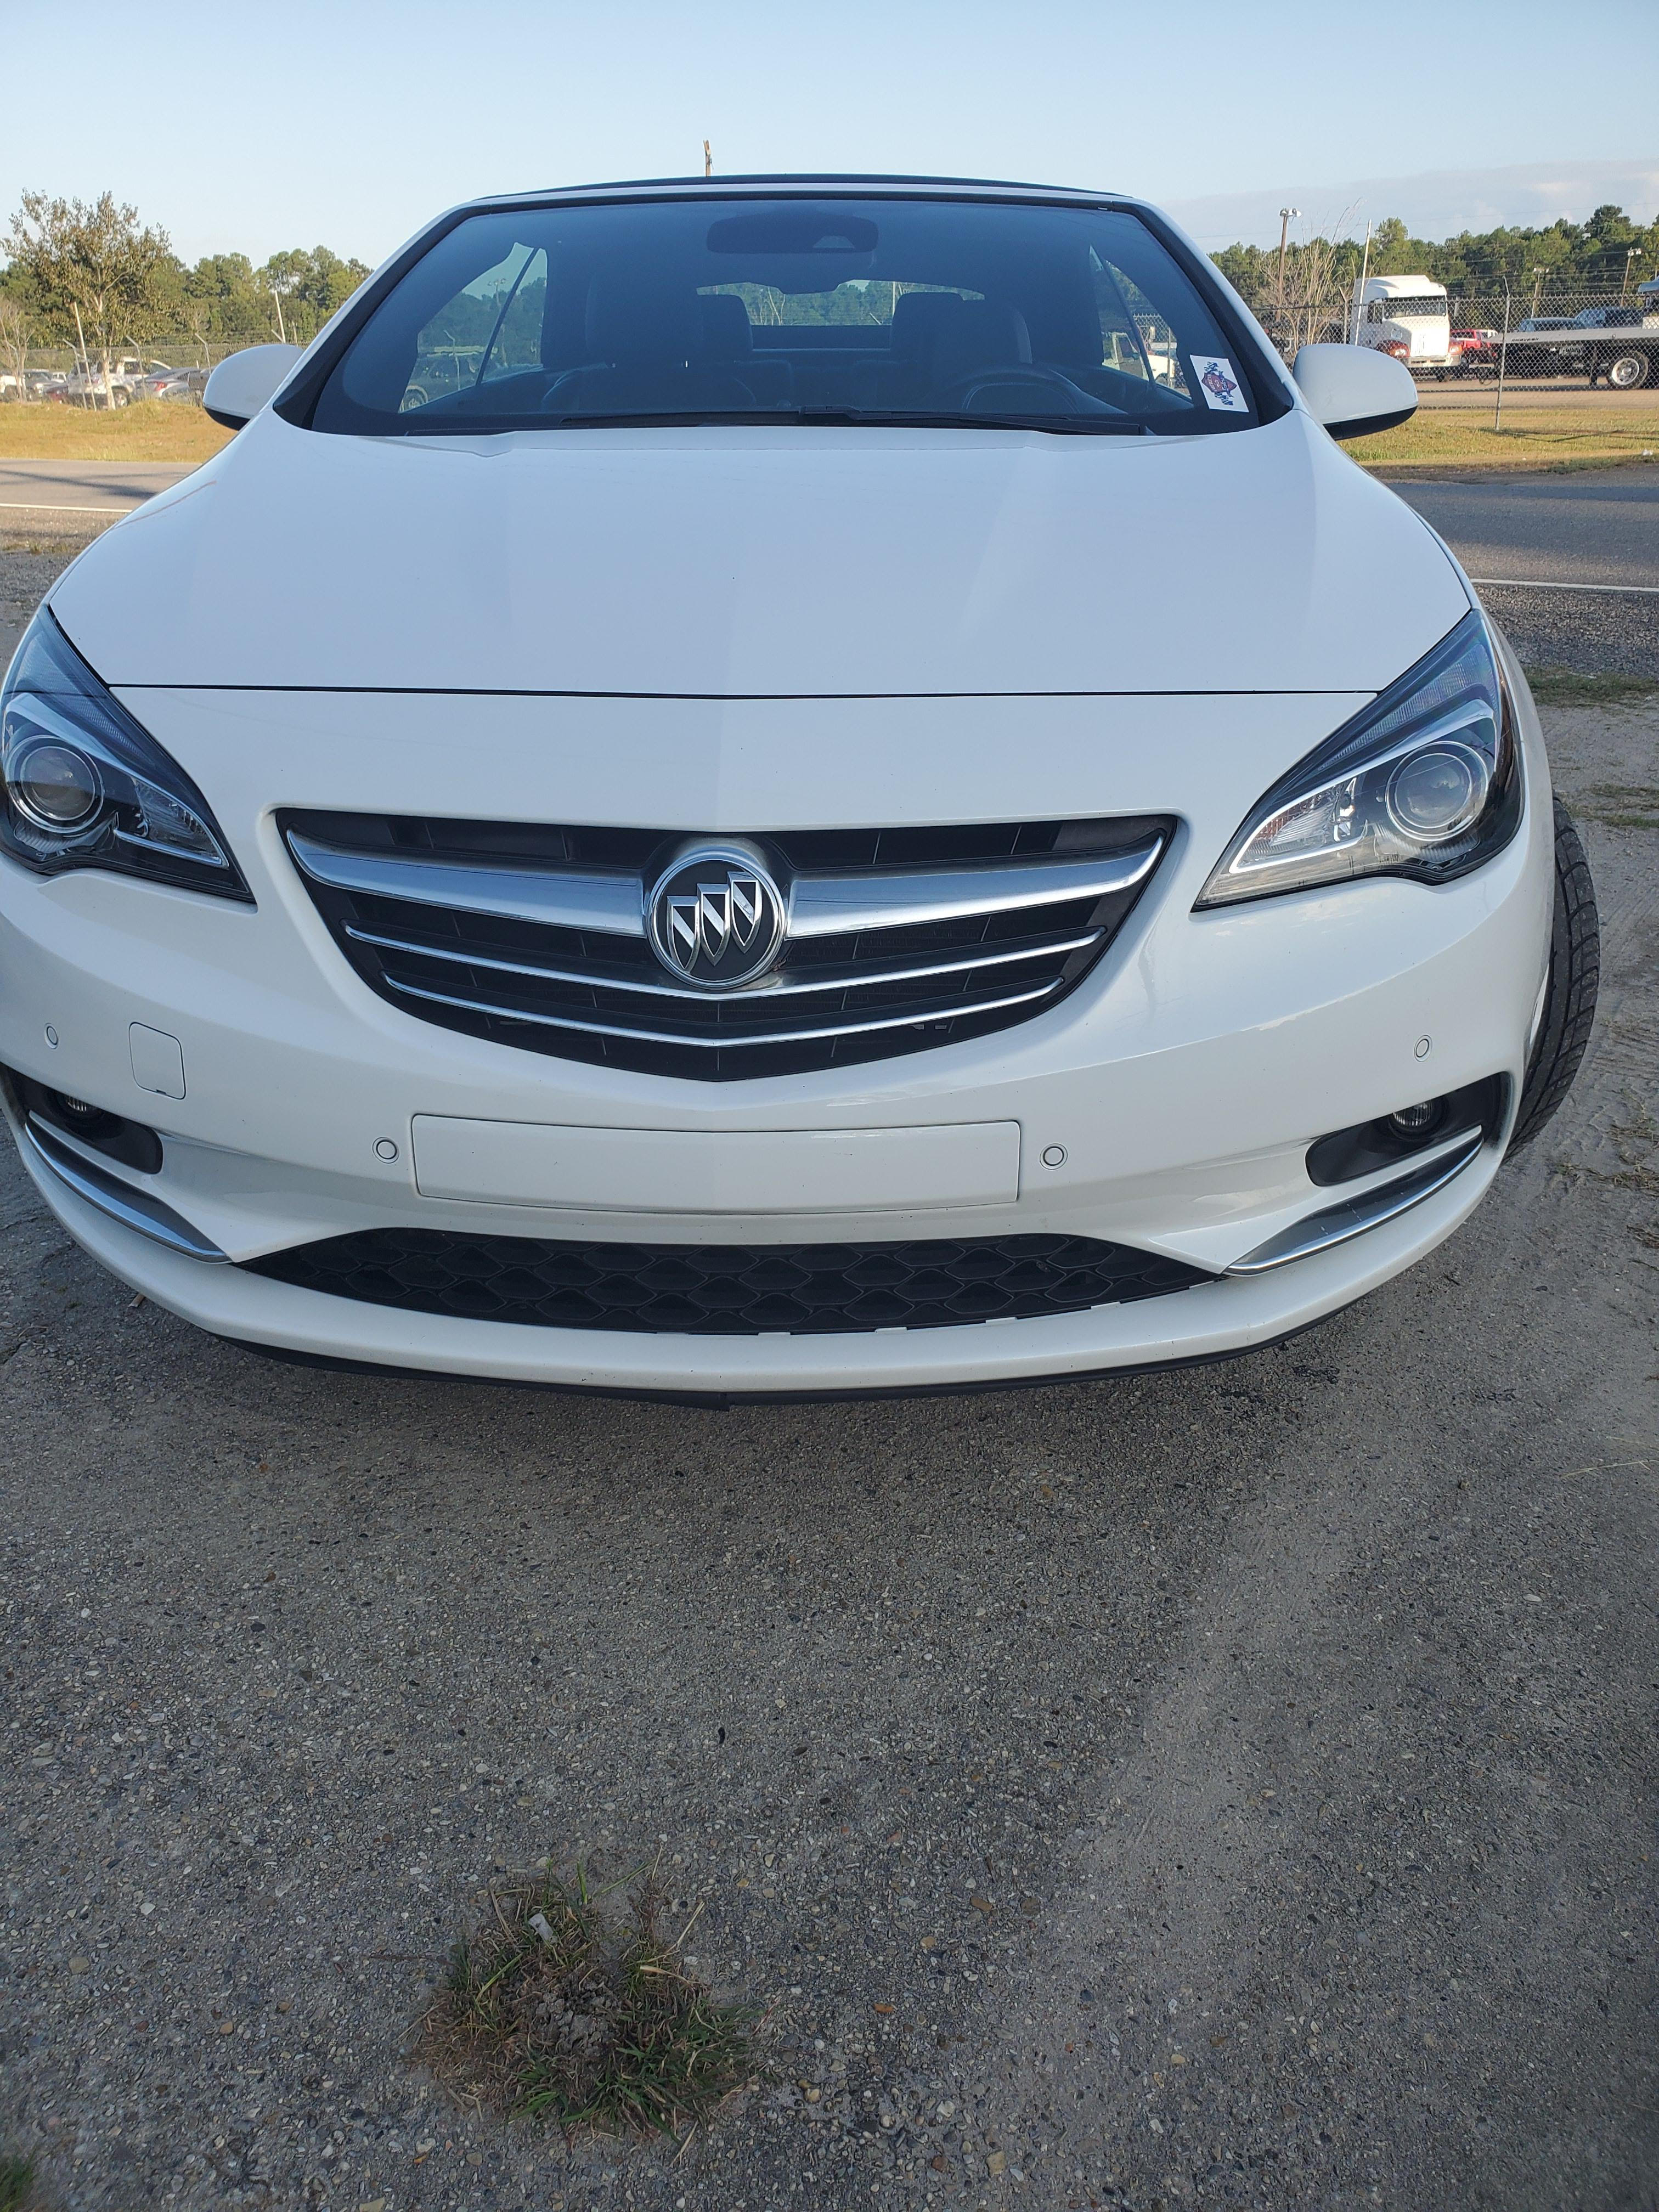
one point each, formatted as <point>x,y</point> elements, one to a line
<point>85,386</point>
<point>1475,351</point>
<point>822,824</point>
<point>187,384</point>
<point>154,380</point>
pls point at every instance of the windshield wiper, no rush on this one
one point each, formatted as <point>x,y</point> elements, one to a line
<point>1086,426</point>
<point>1064,426</point>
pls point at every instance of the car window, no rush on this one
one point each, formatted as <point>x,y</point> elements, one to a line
<point>868,307</point>
<point>489,328</point>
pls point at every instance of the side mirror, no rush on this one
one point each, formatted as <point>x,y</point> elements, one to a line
<point>1352,390</point>
<point>243,381</point>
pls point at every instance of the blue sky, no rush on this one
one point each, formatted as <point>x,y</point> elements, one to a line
<point>350,123</point>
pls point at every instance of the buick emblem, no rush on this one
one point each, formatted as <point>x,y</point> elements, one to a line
<point>715,917</point>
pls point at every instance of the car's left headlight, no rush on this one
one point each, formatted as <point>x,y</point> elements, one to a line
<point>1424,782</point>
<point>82,785</point>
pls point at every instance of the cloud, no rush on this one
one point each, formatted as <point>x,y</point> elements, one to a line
<point>1435,203</point>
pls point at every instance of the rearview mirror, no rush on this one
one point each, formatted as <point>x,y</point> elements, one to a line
<point>243,381</point>
<point>1354,390</point>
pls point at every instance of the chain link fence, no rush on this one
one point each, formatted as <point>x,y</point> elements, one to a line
<point>62,375</point>
<point>1537,330</point>
<point>171,367</point>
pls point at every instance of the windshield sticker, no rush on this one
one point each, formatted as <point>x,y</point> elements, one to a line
<point>1220,387</point>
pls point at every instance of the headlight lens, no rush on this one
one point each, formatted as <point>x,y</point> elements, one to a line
<point>82,785</point>
<point>1425,782</point>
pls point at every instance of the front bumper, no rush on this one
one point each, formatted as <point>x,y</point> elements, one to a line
<point>1166,1105</point>
<point>1231,1314</point>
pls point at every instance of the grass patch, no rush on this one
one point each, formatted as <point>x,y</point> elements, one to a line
<point>1619,805</point>
<point>149,430</point>
<point>61,549</point>
<point>562,2010</point>
<point>1566,687</point>
<point>1535,438</point>
<point>16,2183</point>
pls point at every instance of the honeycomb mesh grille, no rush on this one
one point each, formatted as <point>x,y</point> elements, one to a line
<point>726,1290</point>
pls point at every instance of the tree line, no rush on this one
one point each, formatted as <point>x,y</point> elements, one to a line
<point>1596,255</point>
<point>90,276</point>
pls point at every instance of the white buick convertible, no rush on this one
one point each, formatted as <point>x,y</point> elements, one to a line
<point>785,786</point>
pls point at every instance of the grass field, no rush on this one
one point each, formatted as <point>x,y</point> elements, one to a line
<point>154,430</point>
<point>1539,437</point>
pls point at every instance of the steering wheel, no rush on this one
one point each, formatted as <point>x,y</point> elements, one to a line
<point>962,390</point>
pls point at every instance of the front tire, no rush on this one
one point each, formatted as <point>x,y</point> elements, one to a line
<point>1628,371</point>
<point>1569,988</point>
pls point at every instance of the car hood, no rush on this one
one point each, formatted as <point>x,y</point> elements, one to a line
<point>747,562</point>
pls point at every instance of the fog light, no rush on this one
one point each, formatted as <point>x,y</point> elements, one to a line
<point>1415,1122</point>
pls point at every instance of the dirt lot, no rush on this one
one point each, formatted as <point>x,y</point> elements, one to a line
<point>1233,1787</point>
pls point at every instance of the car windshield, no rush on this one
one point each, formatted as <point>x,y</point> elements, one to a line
<point>763,308</point>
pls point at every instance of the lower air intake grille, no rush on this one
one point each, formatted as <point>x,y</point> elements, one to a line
<point>726,1290</point>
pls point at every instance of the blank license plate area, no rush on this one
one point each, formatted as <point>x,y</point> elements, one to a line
<point>717,1171</point>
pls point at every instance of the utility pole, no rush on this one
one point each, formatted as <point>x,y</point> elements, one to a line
<point>1632,257</point>
<point>1359,289</point>
<point>1285,215</point>
<point>86,365</point>
<point>708,160</point>
<point>1537,288</point>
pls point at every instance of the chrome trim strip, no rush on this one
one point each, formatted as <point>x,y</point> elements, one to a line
<point>613,905</point>
<point>841,979</point>
<point>819,905</point>
<point>732,1039</point>
<point>111,1195</point>
<point>829,906</point>
<point>1335,1225</point>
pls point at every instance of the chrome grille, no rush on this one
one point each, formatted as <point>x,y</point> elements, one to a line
<point>534,936</point>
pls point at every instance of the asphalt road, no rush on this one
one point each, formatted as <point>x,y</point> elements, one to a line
<point>1593,527</point>
<point>1479,394</point>
<point>1568,564</point>
<point>80,493</point>
<point>1225,1788</point>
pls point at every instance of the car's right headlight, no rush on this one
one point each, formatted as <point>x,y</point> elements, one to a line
<point>1424,782</point>
<point>83,785</point>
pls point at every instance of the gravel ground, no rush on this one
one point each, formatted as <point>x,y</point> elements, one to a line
<point>1593,633</point>
<point>1229,1787</point>
<point>27,569</point>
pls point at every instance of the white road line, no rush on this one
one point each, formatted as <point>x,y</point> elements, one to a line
<point>1533,584</point>
<point>57,507</point>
